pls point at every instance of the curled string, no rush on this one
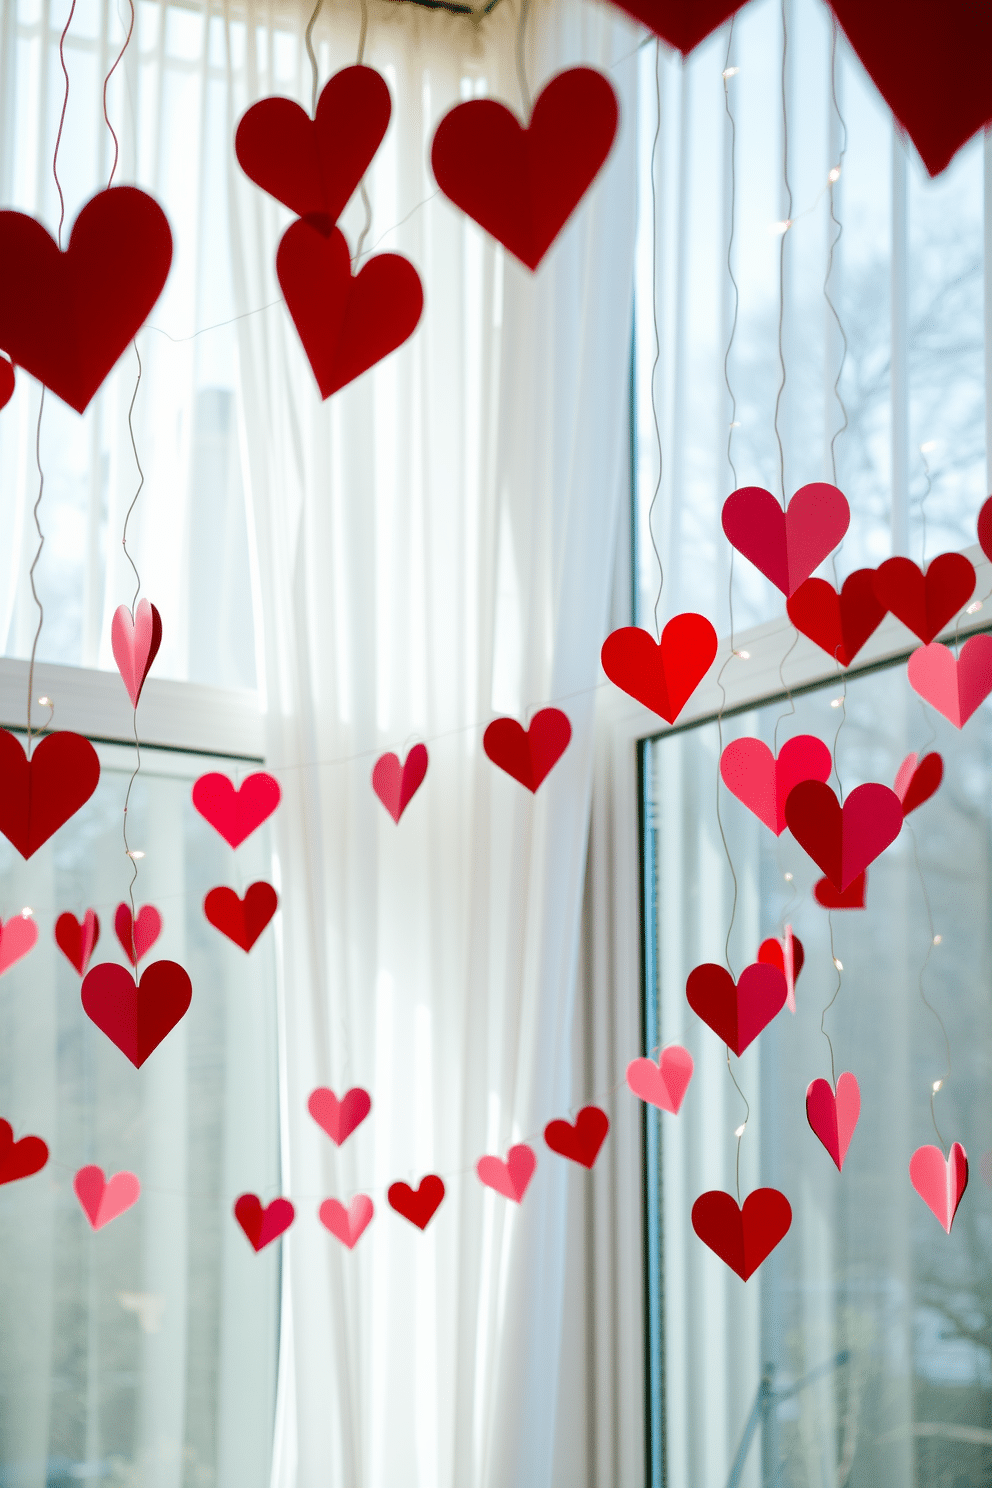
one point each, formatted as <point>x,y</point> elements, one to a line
<point>747,1118</point>
<point>781,251</point>
<point>141,482</point>
<point>308,43</point>
<point>835,240</point>
<point>106,85</point>
<point>362,36</point>
<point>730,266</point>
<point>657,338</point>
<point>823,1015</point>
<point>719,818</point>
<point>843,720</point>
<point>923,996</point>
<point>791,710</point>
<point>127,849</point>
<point>521,60</point>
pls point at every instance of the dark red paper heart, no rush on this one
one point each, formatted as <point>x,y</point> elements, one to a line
<point>65,317</point>
<point>736,1013</point>
<point>853,897</point>
<point>7,381</point>
<point>786,546</point>
<point>838,623</point>
<point>842,842</point>
<point>20,1159</point>
<point>346,324</point>
<point>39,796</point>
<point>241,920</point>
<point>662,676</point>
<point>418,1205</point>
<point>772,953</point>
<point>985,528</point>
<point>580,1142</point>
<point>682,23</point>
<point>263,1225</point>
<point>743,1237</point>
<point>529,756</point>
<point>925,603</point>
<point>523,184</point>
<point>313,166</point>
<point>71,941</point>
<point>136,1018</point>
<point>925,781</point>
<point>397,784</point>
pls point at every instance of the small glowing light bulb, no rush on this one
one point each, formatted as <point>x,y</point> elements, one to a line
<point>744,655</point>
<point>837,702</point>
<point>27,911</point>
<point>936,1085</point>
<point>834,175</point>
<point>736,424</point>
<point>740,1130</point>
<point>974,607</point>
<point>136,854</point>
<point>838,963</point>
<point>937,939</point>
<point>729,72</point>
<point>925,449</point>
<point>779,229</point>
<point>45,702</point>
<point>787,877</point>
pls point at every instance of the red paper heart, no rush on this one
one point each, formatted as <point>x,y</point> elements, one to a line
<point>67,316</point>
<point>135,643</point>
<point>925,603</point>
<point>346,324</point>
<point>313,166</point>
<point>664,676</point>
<point>853,897</point>
<point>742,1237</point>
<point>736,1013</point>
<point>786,546</point>
<point>263,1225</point>
<point>985,528</point>
<point>789,957</point>
<point>235,813</point>
<point>582,1141</point>
<point>397,784</point>
<point>917,780</point>
<point>521,184</point>
<point>77,938</point>
<point>755,776</point>
<point>940,1182</point>
<point>7,381</point>
<point>103,1199</point>
<point>241,920</point>
<point>20,1159</point>
<point>663,1084</point>
<point>955,686</point>
<point>339,1118</point>
<point>39,796</point>
<point>842,842</point>
<point>682,23</point>
<point>508,1178</point>
<point>418,1205</point>
<point>839,624</point>
<point>834,1115</point>
<point>138,938</point>
<point>136,1017</point>
<point>529,756</point>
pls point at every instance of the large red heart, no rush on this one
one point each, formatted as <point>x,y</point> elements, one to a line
<point>339,1118</point>
<point>314,165</point>
<point>763,781</point>
<point>263,1225</point>
<point>925,602</point>
<point>397,784</point>
<point>664,676</point>
<point>833,1115</point>
<point>529,756</point>
<point>737,1014</point>
<point>939,1181</point>
<point>136,1017</point>
<point>682,23</point>
<point>843,841</point>
<point>235,813</point>
<point>346,324</point>
<point>241,920</point>
<point>786,545</point>
<point>137,936</point>
<point>20,1159</point>
<point>418,1205</point>
<point>77,938</point>
<point>523,184</point>
<point>838,623</point>
<point>917,780</point>
<point>742,1237</point>
<point>7,381</point>
<point>582,1141</point>
<point>853,897</point>
<point>65,317</point>
<point>39,796</point>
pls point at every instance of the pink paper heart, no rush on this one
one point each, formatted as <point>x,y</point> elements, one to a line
<point>663,1084</point>
<point>18,936</point>
<point>786,546</point>
<point>137,940</point>
<point>509,1178</point>
<point>135,644</point>
<point>103,1199</point>
<point>954,688</point>
<point>236,812</point>
<point>396,784</point>
<point>347,1225</point>
<point>833,1117</point>
<point>338,1118</point>
<point>753,774</point>
<point>940,1184</point>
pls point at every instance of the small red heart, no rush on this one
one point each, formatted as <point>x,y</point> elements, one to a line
<point>664,676</point>
<point>20,1159</point>
<point>241,920</point>
<point>263,1225</point>
<point>136,1017</point>
<point>339,1118</point>
<point>786,546</point>
<point>742,1237</point>
<point>789,957</point>
<point>736,1013</point>
<point>7,381</point>
<point>138,938</point>
<point>833,1115</point>
<point>77,938</point>
<point>663,1084</point>
<point>103,1199</point>
<point>842,842</point>
<point>925,603</point>
<point>418,1205</point>
<point>682,23</point>
<point>917,780</point>
<point>18,936</point>
<point>985,528</point>
<point>529,756</point>
<point>235,813</point>
<point>582,1141</point>
<point>39,796</point>
<point>853,897</point>
<point>839,624</point>
<point>397,784</point>
<point>522,183</point>
<point>346,324</point>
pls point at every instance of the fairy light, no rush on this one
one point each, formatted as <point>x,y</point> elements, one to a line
<point>837,702</point>
<point>740,1130</point>
<point>729,72</point>
<point>928,447</point>
<point>136,854</point>
<point>974,607</point>
<point>833,175</point>
<point>743,655</point>
<point>787,877</point>
<point>45,702</point>
<point>27,911</point>
<point>937,939</point>
<point>779,229</point>
<point>937,1085</point>
<point>736,424</point>
<point>838,963</point>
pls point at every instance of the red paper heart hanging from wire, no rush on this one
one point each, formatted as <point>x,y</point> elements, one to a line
<point>662,676</point>
<point>39,795</point>
<point>925,603</point>
<point>833,1114</point>
<point>77,939</point>
<point>138,936</point>
<point>397,784</point>
<point>917,780</point>
<point>263,1223</point>
<point>135,644</point>
<point>955,685</point>
<point>786,546</point>
<point>241,920</point>
<point>788,955</point>
<point>136,1017</point>
<point>763,781</point>
<point>843,841</point>
<point>744,1236</point>
<point>7,381</point>
<point>682,23</point>
<point>528,756</point>
<point>736,1012</point>
<point>18,936</point>
<point>579,1140</point>
<point>236,812</point>
<point>839,624</point>
<point>418,1205</point>
<point>20,1159</point>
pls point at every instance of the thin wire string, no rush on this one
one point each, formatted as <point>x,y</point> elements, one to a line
<point>834,242</point>
<point>730,266</point>
<point>521,59</point>
<point>823,1015</point>
<point>781,251</point>
<point>106,85</point>
<point>923,996</point>
<point>366,203</point>
<point>657,338</point>
<point>308,43</point>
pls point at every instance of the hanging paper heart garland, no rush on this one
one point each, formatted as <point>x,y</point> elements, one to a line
<point>347,1225</point>
<point>842,842</point>
<point>39,795</point>
<point>853,897</point>
<point>7,381</point>
<point>77,939</point>
<point>663,1084</point>
<point>17,937</point>
<point>509,1178</point>
<point>418,1205</point>
<point>833,1115</point>
<point>135,644</point>
<point>736,1012</point>
<point>236,813</point>
<point>528,757</point>
<point>138,938</point>
<point>241,920</point>
<point>786,546</point>
<point>396,784</point>
<point>522,183</point>
<point>339,1118</point>
<point>839,624</point>
<point>136,1017</point>
<point>745,1236</point>
<point>682,23</point>
<point>20,1159</point>
<point>664,676</point>
<point>263,1224</point>
<point>925,603</point>
<point>940,1182</point>
<point>579,1142</point>
<point>103,1199</point>
<point>755,776</point>
<point>956,687</point>
<point>917,780</point>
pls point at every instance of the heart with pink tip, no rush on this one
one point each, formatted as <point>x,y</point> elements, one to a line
<point>103,1199</point>
<point>939,1181</point>
<point>663,1084</point>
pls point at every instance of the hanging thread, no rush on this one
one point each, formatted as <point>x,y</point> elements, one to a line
<point>657,337</point>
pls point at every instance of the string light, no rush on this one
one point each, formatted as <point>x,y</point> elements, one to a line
<point>834,175</point>
<point>837,702</point>
<point>838,963</point>
<point>787,877</point>
<point>779,229</point>
<point>740,1130</point>
<point>27,911</point>
<point>729,72</point>
<point>937,939</point>
<point>974,607</point>
<point>929,447</point>
<point>45,702</point>
<point>136,854</point>
<point>743,655</point>
<point>936,1085</point>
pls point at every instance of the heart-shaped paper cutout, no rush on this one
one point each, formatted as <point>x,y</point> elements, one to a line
<point>786,546</point>
<point>313,166</point>
<point>788,955</point>
<point>67,316</point>
<point>103,1199</point>
<point>397,784</point>
<point>956,688</point>
<point>346,324</point>
<point>20,1159</point>
<point>77,939</point>
<point>853,897</point>
<point>839,624</point>
<point>925,603</point>
<point>39,796</point>
<point>241,920</point>
<point>752,773</point>
<point>135,644</point>
<point>347,1225</point>
<point>985,528</point>
<point>736,1013</point>
<point>7,381</point>
<point>663,1084</point>
<point>138,938</point>
<point>917,780</point>
<point>17,937</point>
<point>742,1237</point>
<point>509,1178</point>
<point>235,813</point>
<point>579,1142</point>
<point>339,1118</point>
<point>842,842</point>
<point>682,23</point>
<point>939,1183</point>
<point>263,1224</point>
<point>521,184</point>
<point>529,756</point>
<point>136,1017</point>
<point>833,1117</point>
<point>418,1205</point>
<point>664,676</point>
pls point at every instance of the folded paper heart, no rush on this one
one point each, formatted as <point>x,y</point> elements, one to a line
<point>347,1225</point>
<point>917,780</point>
<point>682,23</point>
<point>530,756</point>
<point>581,1142</point>
<point>77,939</point>
<point>339,1118</point>
<point>137,938</point>
<point>788,955</point>
<point>103,1199</point>
<point>762,782</point>
<point>20,1159</point>
<point>346,323</point>
<point>241,920</point>
<point>842,842</point>
<point>236,813</point>
<point>314,166</point>
<point>786,546</point>
<point>522,183</point>
<point>136,1017</point>
<point>745,1236</point>
<point>509,1178</point>
<point>7,381</point>
<point>663,1084</point>
<point>39,795</point>
<point>418,1205</point>
<point>839,624</point>
<point>662,676</point>
<point>853,897</point>
<point>263,1224</point>
<point>18,936</point>
<point>135,644</point>
<point>833,1115</point>
<point>940,1182</point>
<point>925,603</point>
<point>68,315</point>
<point>955,687</point>
<point>736,1012</point>
<point>985,528</point>
<point>397,784</point>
